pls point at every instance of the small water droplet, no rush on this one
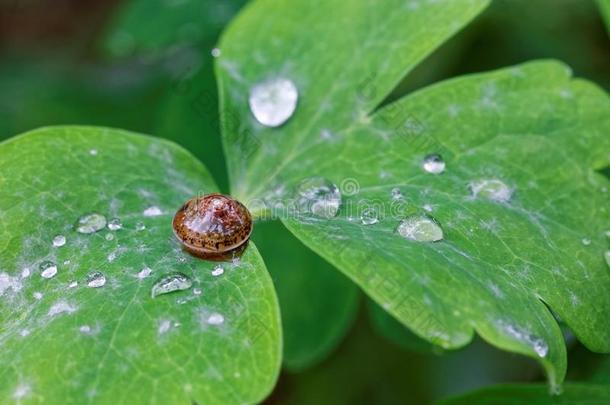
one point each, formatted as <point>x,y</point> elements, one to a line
<point>109,237</point>
<point>85,329</point>
<point>586,241</point>
<point>369,217</point>
<point>93,152</point>
<point>25,273</point>
<point>396,193</point>
<point>197,291</point>
<point>427,208</point>
<point>140,226</point>
<point>216,52</point>
<point>73,284</point>
<point>274,101</point>
<point>215,319</point>
<point>493,189</point>
<point>37,295</point>
<point>145,272</point>
<point>218,270</point>
<point>48,269</point>
<point>59,240</point>
<point>90,223</point>
<point>434,164</point>
<point>170,283</point>
<point>420,228</point>
<point>96,279</point>
<point>153,211</point>
<point>115,224</point>
<point>320,197</point>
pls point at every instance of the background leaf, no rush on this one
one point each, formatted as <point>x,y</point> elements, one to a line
<point>318,305</point>
<point>115,343</point>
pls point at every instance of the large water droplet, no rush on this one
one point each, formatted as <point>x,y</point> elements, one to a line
<point>434,164</point>
<point>274,101</point>
<point>369,217</point>
<point>215,319</point>
<point>493,189</point>
<point>170,283</point>
<point>218,270</point>
<point>96,279</point>
<point>59,240</point>
<point>90,223</point>
<point>420,228</point>
<point>319,197</point>
<point>115,224</point>
<point>48,269</point>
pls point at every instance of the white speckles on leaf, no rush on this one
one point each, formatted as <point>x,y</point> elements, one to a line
<point>8,282</point>
<point>152,211</point>
<point>492,189</point>
<point>145,272</point>
<point>61,307</point>
<point>215,319</point>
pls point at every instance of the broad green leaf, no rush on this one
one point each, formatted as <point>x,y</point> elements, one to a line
<point>515,394</point>
<point>501,265</point>
<point>397,333</point>
<point>153,25</point>
<point>116,344</point>
<point>318,305</point>
<point>343,56</point>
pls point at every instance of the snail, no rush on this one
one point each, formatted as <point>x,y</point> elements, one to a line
<point>213,227</point>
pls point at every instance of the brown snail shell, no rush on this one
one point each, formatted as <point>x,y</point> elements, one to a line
<point>213,226</point>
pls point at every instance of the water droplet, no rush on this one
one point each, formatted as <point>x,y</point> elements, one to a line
<point>109,237</point>
<point>145,272</point>
<point>319,197</point>
<point>607,257</point>
<point>369,217</point>
<point>90,223</point>
<point>85,329</point>
<point>115,224</point>
<point>25,273</point>
<point>37,295</point>
<point>153,211</point>
<point>215,319</point>
<point>164,326</point>
<point>48,269</point>
<point>170,283</point>
<point>218,270</point>
<point>586,241</point>
<point>197,291</point>
<point>59,240</point>
<point>140,226</point>
<point>396,193</point>
<point>434,164</point>
<point>96,279</point>
<point>420,228</point>
<point>274,101</point>
<point>216,52</point>
<point>493,189</point>
<point>73,284</point>
<point>93,152</point>
<point>428,208</point>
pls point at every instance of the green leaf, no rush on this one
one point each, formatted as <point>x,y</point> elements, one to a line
<point>116,343</point>
<point>318,305</point>
<point>501,265</point>
<point>573,393</point>
<point>153,25</point>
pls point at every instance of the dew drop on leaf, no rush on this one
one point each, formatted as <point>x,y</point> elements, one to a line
<point>153,211</point>
<point>109,237</point>
<point>586,241</point>
<point>492,189</point>
<point>145,272</point>
<point>115,224</point>
<point>59,240</point>
<point>396,194</point>
<point>274,101</point>
<point>216,52</point>
<point>96,279</point>
<point>197,291</point>
<point>170,283</point>
<point>90,223</point>
<point>140,226</point>
<point>218,270</point>
<point>48,269</point>
<point>319,197</point>
<point>420,228</point>
<point>369,217</point>
<point>215,319</point>
<point>434,164</point>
